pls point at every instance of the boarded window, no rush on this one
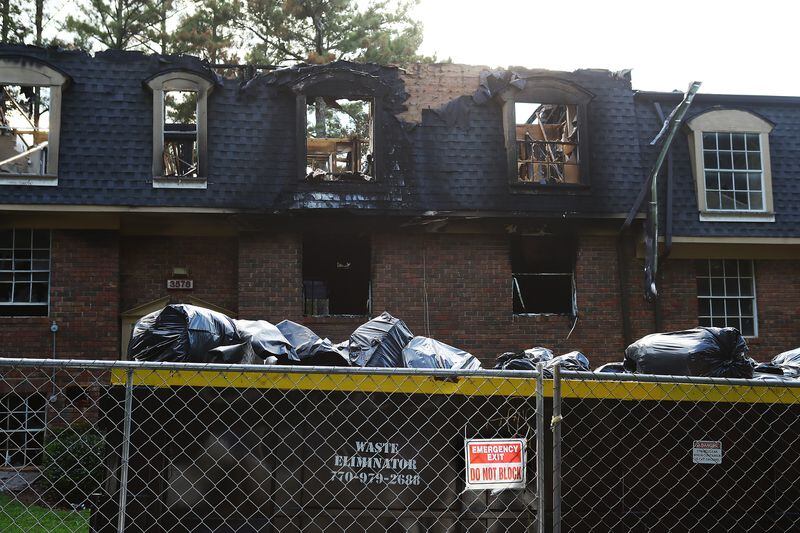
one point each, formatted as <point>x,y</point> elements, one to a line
<point>547,143</point>
<point>336,275</point>
<point>339,143</point>
<point>180,134</point>
<point>24,129</point>
<point>24,272</point>
<point>542,275</point>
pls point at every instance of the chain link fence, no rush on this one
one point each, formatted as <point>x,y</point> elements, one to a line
<point>126,446</point>
<point>656,453</point>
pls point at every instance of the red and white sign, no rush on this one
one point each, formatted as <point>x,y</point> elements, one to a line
<point>495,464</point>
<point>180,284</point>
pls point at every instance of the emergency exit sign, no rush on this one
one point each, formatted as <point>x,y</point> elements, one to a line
<point>495,464</point>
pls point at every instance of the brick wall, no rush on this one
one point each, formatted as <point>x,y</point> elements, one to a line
<point>84,302</point>
<point>146,264</point>
<point>430,86</point>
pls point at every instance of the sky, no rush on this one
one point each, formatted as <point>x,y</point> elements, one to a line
<point>731,46</point>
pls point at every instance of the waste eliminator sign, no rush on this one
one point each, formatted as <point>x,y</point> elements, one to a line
<point>495,464</point>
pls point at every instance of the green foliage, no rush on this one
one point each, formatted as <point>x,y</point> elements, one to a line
<point>351,118</point>
<point>15,23</point>
<point>117,24</point>
<point>181,108</point>
<point>209,31</point>
<point>320,31</point>
<point>73,462</point>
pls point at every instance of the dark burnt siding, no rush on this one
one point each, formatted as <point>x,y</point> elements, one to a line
<point>106,147</point>
<point>784,154</point>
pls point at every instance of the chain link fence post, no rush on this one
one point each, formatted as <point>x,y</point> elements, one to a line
<point>540,450</point>
<point>555,425</point>
<point>126,447</point>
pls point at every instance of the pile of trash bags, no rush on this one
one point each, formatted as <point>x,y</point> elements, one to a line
<point>528,359</point>
<point>190,334</point>
<point>187,333</point>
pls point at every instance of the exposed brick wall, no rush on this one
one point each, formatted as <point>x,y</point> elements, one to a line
<point>84,302</point>
<point>146,264</point>
<point>430,86</point>
<point>778,306</point>
<point>270,276</point>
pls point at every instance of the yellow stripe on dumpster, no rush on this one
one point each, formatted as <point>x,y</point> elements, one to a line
<point>690,392</point>
<point>400,383</point>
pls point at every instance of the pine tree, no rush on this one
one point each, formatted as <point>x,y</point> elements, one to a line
<point>116,24</point>
<point>14,25</point>
<point>209,31</point>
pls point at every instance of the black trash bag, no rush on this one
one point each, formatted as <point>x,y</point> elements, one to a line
<point>424,352</point>
<point>575,361</point>
<point>181,333</point>
<point>379,342</point>
<point>524,360</point>
<point>265,341</point>
<point>310,349</point>
<point>703,351</point>
<point>768,368</point>
<point>789,362</point>
<point>612,368</point>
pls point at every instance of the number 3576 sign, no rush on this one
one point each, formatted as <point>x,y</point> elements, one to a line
<point>495,464</point>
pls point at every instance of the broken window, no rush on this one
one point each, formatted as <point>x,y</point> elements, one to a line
<point>336,275</point>
<point>24,129</point>
<point>542,276</point>
<point>547,138</point>
<point>21,429</point>
<point>180,134</point>
<point>339,139</point>
<point>24,272</point>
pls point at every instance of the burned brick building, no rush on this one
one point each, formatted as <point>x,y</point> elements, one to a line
<point>485,208</point>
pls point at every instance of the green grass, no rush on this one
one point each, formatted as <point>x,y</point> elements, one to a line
<point>15,516</point>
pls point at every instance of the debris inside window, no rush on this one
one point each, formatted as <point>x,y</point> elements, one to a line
<point>336,275</point>
<point>180,134</point>
<point>339,136</point>
<point>24,129</point>
<point>547,143</point>
<point>542,275</point>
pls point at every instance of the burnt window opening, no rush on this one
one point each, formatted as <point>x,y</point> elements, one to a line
<point>542,275</point>
<point>180,134</point>
<point>24,129</point>
<point>547,142</point>
<point>336,275</point>
<point>339,139</point>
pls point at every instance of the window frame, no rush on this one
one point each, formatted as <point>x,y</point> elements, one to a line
<point>28,452</point>
<point>730,121</point>
<point>725,277</point>
<point>180,80</point>
<point>546,90</point>
<point>28,71</point>
<point>46,304</point>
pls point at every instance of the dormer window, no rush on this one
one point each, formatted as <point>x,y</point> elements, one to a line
<point>546,128</point>
<point>339,139</point>
<point>30,121</point>
<point>730,159</point>
<point>180,135</point>
<point>547,143</point>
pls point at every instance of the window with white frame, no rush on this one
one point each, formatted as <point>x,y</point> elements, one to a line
<point>734,179</point>
<point>731,163</point>
<point>180,134</point>
<point>22,423</point>
<point>726,295</point>
<point>24,272</point>
<point>30,121</point>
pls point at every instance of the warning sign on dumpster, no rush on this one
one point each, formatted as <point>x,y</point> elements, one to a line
<point>495,464</point>
<point>707,452</point>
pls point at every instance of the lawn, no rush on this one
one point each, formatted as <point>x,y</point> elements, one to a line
<point>15,516</point>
